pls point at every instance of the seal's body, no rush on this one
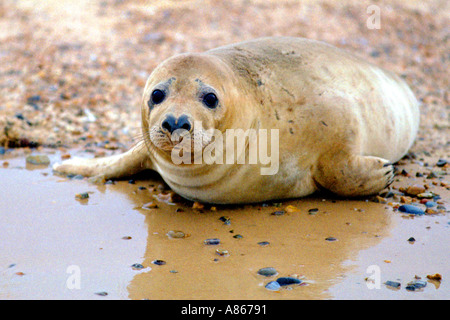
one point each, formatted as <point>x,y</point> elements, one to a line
<point>341,121</point>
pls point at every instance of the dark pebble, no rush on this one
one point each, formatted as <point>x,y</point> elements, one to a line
<point>286,281</point>
<point>142,188</point>
<point>212,242</point>
<point>411,239</point>
<point>407,208</point>
<point>159,262</point>
<point>273,285</point>
<point>264,243</point>
<point>238,236</point>
<point>102,293</point>
<point>416,284</point>
<point>278,213</point>
<point>137,266</point>
<point>267,272</point>
<point>331,239</point>
<point>441,162</point>
<point>313,211</point>
<point>393,284</point>
<point>131,181</point>
<point>225,220</point>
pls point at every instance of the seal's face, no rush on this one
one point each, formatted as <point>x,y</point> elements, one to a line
<point>183,100</point>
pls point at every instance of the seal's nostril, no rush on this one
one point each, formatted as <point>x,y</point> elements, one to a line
<point>184,123</point>
<point>169,124</point>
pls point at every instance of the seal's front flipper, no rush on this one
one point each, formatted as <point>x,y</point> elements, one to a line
<point>354,176</point>
<point>131,162</point>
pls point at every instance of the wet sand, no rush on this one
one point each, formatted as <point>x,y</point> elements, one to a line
<point>46,234</point>
<point>71,82</point>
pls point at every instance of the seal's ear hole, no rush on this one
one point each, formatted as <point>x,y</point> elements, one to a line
<point>210,100</point>
<point>157,96</point>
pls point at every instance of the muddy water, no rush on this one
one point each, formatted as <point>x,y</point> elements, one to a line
<point>54,246</point>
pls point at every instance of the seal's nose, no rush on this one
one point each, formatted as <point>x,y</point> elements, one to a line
<point>170,124</point>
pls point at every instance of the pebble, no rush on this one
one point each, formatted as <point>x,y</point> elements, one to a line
<point>430,204</point>
<point>278,213</point>
<point>393,284</point>
<point>150,205</point>
<point>176,234</point>
<point>137,266</point>
<point>441,162</point>
<point>313,211</point>
<point>331,239</point>
<point>415,190</point>
<point>264,243</point>
<point>427,195</point>
<point>81,196</point>
<point>273,286</point>
<point>223,253</point>
<point>286,281</point>
<point>212,242</point>
<point>416,284</point>
<point>102,293</point>
<point>411,239</point>
<point>267,272</point>
<point>407,208</point>
<point>159,262</point>
<point>38,159</point>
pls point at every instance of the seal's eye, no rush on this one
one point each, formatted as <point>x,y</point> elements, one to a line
<point>210,100</point>
<point>158,96</point>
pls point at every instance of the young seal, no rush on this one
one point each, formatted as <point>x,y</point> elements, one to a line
<point>341,122</point>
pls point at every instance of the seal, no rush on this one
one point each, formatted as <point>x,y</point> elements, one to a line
<point>341,123</point>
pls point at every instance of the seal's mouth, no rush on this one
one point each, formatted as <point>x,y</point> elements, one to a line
<point>180,142</point>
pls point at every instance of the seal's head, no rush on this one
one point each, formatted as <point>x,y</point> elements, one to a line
<point>185,97</point>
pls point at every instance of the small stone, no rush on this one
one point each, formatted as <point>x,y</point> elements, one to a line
<point>290,209</point>
<point>393,284</point>
<point>264,243</point>
<point>273,286</point>
<point>313,211</point>
<point>331,239</point>
<point>159,262</point>
<point>38,159</point>
<point>222,252</point>
<point>415,190</point>
<point>131,181</point>
<point>435,277</point>
<point>441,162</point>
<point>225,220</point>
<point>286,281</point>
<point>150,205</point>
<point>197,205</point>
<point>126,238</point>
<point>176,234</point>
<point>278,213</point>
<point>267,272</point>
<point>82,196</point>
<point>430,204</point>
<point>411,239</point>
<point>238,236</point>
<point>137,266</point>
<point>212,242</point>
<point>416,284</point>
<point>427,195</point>
<point>102,293</point>
<point>407,208</point>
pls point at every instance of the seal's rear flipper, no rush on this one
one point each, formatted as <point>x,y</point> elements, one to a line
<point>354,175</point>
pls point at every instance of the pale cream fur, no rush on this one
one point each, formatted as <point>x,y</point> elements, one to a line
<point>342,121</point>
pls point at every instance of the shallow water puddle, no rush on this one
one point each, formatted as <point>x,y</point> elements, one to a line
<point>110,245</point>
